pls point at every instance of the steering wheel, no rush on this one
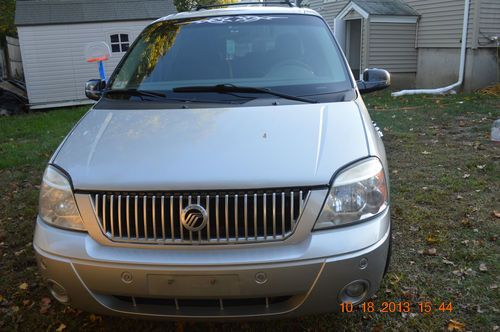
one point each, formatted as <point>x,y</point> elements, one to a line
<point>294,63</point>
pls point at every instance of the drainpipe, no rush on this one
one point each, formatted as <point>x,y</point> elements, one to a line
<point>462,64</point>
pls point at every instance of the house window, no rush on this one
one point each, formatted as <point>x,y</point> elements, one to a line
<point>119,42</point>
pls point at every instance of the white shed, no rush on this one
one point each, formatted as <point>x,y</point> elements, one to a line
<point>53,35</point>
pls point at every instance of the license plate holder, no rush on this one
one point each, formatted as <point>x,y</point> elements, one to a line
<point>193,285</point>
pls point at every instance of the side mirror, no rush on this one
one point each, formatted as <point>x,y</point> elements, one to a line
<point>93,89</point>
<point>373,80</point>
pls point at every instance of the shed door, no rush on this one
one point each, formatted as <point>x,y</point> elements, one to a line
<point>353,45</point>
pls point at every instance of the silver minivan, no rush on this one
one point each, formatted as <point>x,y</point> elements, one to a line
<point>229,169</point>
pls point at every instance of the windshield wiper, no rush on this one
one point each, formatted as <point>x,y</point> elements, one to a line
<point>156,94</point>
<point>230,88</point>
<point>135,92</point>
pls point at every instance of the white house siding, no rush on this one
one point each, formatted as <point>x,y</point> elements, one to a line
<point>441,21</point>
<point>392,47</point>
<point>328,9</point>
<point>489,21</point>
<point>54,59</point>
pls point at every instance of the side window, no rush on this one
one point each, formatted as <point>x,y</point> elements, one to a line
<point>119,42</point>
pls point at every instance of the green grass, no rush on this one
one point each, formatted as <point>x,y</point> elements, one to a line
<point>445,183</point>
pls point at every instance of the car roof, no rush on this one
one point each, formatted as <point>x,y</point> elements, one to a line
<point>239,10</point>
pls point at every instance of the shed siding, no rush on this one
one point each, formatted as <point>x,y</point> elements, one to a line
<point>365,33</point>
<point>489,21</point>
<point>392,47</point>
<point>441,21</point>
<point>328,9</point>
<point>440,24</point>
<point>54,58</point>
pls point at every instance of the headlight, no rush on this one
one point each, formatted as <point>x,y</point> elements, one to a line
<point>358,192</point>
<point>57,204</point>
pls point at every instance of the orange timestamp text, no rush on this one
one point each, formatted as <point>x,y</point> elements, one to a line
<point>391,307</point>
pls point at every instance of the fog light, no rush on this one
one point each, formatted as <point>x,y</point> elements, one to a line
<point>354,292</point>
<point>58,291</point>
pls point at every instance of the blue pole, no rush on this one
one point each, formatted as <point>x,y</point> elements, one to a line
<point>102,73</point>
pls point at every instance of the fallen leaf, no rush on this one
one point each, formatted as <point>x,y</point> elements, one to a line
<point>466,175</point>
<point>44,305</point>
<point>481,166</point>
<point>459,197</point>
<point>431,252</point>
<point>454,325</point>
<point>61,328</point>
<point>493,286</point>
<point>483,267</point>
<point>179,327</point>
<point>466,223</point>
<point>23,286</point>
<point>425,152</point>
<point>470,272</point>
<point>496,213</point>
<point>431,239</point>
<point>447,262</point>
<point>95,318</point>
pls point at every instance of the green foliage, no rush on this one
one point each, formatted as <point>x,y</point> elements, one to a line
<point>7,11</point>
<point>187,5</point>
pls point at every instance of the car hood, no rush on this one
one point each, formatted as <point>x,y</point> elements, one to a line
<point>213,148</point>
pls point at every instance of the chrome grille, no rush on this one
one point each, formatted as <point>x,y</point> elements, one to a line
<point>233,217</point>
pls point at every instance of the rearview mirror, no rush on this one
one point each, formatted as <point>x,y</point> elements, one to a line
<point>374,79</point>
<point>93,89</point>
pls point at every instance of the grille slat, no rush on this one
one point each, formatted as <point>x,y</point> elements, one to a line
<point>226,210</point>
<point>255,216</point>
<point>136,210</point>
<point>265,215</point>
<point>181,228</point>
<point>162,215</point>
<point>157,217</point>
<point>190,232</point>
<point>104,212</point>
<point>120,215</point>
<point>145,216</point>
<point>283,214</point>
<point>154,217</point>
<point>128,216</point>
<point>236,224</point>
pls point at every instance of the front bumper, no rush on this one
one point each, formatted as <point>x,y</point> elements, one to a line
<point>276,279</point>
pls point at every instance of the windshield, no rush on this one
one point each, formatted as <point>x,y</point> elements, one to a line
<point>293,54</point>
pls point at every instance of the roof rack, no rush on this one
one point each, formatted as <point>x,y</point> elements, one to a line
<point>263,3</point>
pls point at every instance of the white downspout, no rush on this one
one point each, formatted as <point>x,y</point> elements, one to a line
<point>462,63</point>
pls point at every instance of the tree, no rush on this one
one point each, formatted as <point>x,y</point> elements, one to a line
<point>7,10</point>
<point>187,5</point>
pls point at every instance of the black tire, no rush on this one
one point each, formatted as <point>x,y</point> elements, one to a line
<point>389,253</point>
